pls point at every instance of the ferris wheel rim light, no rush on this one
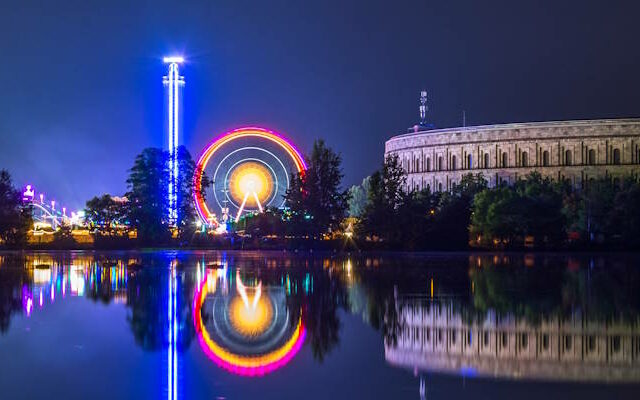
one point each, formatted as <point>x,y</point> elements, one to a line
<point>215,144</point>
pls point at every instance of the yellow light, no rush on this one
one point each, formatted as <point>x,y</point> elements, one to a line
<point>248,320</point>
<point>250,178</point>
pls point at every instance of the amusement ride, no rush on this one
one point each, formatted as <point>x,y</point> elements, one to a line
<point>250,169</point>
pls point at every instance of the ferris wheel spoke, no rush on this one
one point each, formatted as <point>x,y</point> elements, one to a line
<point>244,201</point>
<point>255,196</point>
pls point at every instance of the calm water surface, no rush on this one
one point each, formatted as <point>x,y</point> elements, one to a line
<point>240,325</point>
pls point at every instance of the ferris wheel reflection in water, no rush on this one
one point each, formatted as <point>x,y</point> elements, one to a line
<point>249,332</point>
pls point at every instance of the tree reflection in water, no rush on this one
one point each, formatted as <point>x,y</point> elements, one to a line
<point>11,283</point>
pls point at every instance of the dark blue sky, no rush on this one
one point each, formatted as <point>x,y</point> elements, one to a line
<point>82,91</point>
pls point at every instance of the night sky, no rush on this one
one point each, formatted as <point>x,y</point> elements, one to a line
<point>82,80</point>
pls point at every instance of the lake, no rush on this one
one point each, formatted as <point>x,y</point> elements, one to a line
<point>282,325</point>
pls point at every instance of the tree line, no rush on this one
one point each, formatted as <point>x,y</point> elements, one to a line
<point>315,205</point>
<point>15,216</point>
<point>535,211</point>
<point>143,208</point>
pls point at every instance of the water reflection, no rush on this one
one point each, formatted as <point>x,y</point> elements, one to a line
<point>250,332</point>
<point>42,279</point>
<point>545,317</point>
<point>578,323</point>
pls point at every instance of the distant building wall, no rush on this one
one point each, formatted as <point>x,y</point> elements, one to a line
<point>572,150</point>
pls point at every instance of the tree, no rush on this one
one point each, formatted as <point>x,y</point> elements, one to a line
<point>270,222</point>
<point>452,216</point>
<point>15,217</point>
<point>531,207</point>
<point>593,211</point>
<point>104,214</point>
<point>187,213</point>
<point>315,199</point>
<point>624,216</point>
<point>385,196</point>
<point>358,197</point>
<point>148,197</point>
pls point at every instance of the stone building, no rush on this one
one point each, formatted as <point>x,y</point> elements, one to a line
<point>573,150</point>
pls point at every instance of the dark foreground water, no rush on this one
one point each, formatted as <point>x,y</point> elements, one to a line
<point>245,325</point>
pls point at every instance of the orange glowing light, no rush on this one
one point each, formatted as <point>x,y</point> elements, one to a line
<point>248,320</point>
<point>248,178</point>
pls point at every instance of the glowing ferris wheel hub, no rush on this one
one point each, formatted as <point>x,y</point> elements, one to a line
<point>250,169</point>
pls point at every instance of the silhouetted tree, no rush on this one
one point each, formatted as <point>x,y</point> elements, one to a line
<point>624,216</point>
<point>15,217</point>
<point>269,222</point>
<point>450,228</point>
<point>532,206</point>
<point>148,197</point>
<point>316,201</point>
<point>384,198</point>
<point>104,214</point>
<point>187,214</point>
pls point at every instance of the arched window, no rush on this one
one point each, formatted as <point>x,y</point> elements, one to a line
<point>545,158</point>
<point>592,157</point>
<point>428,164</point>
<point>453,163</point>
<point>440,163</point>
<point>505,160</point>
<point>525,159</point>
<point>440,186</point>
<point>567,157</point>
<point>616,156</point>
<point>469,162</point>
<point>486,160</point>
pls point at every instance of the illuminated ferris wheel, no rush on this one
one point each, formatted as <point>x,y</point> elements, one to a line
<point>250,169</point>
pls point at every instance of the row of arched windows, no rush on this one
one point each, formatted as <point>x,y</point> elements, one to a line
<point>414,165</point>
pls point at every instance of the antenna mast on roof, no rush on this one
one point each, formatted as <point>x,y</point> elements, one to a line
<point>423,107</point>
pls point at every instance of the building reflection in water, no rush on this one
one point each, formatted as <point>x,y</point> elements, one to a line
<point>564,332</point>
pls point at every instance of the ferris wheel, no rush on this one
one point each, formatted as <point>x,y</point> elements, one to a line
<point>251,170</point>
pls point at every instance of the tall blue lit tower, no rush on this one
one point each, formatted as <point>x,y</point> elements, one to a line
<point>173,83</point>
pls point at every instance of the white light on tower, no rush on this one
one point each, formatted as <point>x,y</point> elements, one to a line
<point>173,83</point>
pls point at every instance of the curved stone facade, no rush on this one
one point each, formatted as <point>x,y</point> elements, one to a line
<point>572,150</point>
